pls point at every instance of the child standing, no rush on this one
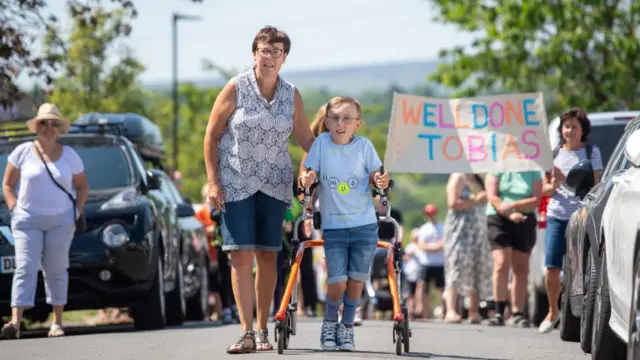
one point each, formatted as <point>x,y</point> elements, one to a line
<point>346,164</point>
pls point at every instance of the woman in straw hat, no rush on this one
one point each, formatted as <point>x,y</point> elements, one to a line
<point>42,215</point>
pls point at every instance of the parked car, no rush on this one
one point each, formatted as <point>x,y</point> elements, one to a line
<point>194,251</point>
<point>127,257</point>
<point>606,130</point>
<point>584,240</point>
<point>616,314</point>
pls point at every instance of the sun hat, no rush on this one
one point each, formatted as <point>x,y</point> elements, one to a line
<point>48,111</point>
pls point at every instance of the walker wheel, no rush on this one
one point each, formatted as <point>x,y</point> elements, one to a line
<point>406,330</point>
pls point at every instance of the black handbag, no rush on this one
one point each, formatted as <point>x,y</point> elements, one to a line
<point>81,222</point>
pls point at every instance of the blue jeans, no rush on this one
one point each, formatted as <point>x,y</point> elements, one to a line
<point>555,244</point>
<point>349,252</point>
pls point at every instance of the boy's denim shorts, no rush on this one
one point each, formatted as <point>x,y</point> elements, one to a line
<point>254,223</point>
<point>349,252</point>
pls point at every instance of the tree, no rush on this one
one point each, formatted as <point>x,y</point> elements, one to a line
<point>585,53</point>
<point>23,23</point>
<point>88,83</point>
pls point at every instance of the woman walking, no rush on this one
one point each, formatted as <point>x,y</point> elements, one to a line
<point>250,176</point>
<point>42,215</point>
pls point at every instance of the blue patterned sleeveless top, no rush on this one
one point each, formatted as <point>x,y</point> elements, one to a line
<point>254,147</point>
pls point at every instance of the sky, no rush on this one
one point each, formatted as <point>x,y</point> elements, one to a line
<point>324,34</point>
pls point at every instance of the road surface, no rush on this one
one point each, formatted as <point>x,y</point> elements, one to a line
<point>193,341</point>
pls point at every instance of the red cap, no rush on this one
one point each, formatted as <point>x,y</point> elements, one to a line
<point>430,210</point>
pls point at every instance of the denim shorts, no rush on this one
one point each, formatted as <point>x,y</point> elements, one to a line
<point>254,223</point>
<point>349,252</point>
<point>555,244</point>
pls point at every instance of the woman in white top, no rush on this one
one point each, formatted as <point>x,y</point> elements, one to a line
<point>42,215</point>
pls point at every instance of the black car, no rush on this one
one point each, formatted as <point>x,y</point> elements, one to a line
<point>194,247</point>
<point>126,257</point>
<point>584,242</point>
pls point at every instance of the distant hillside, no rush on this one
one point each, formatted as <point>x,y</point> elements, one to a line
<point>350,80</point>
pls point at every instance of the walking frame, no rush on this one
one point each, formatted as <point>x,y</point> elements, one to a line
<point>286,315</point>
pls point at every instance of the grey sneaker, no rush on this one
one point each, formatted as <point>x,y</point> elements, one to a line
<point>328,335</point>
<point>346,338</point>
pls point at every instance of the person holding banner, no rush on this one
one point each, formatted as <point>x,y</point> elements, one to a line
<point>511,227</point>
<point>574,131</point>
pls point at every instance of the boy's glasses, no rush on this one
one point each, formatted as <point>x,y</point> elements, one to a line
<point>275,53</point>
<point>345,120</point>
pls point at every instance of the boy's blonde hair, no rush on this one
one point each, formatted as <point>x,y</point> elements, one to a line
<point>339,100</point>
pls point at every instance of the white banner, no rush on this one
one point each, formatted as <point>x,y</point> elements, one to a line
<point>468,135</point>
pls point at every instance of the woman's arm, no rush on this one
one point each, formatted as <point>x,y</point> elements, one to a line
<point>301,131</point>
<point>11,176</point>
<point>454,190</point>
<point>223,107</point>
<point>82,189</point>
<point>491,184</point>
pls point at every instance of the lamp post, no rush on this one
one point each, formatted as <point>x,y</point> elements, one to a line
<point>177,17</point>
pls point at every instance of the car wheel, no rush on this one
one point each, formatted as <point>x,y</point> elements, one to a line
<point>198,304</point>
<point>569,324</point>
<point>590,288</point>
<point>605,345</point>
<point>633,345</point>
<point>149,312</point>
<point>176,304</point>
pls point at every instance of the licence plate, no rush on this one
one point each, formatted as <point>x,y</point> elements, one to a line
<point>7,264</point>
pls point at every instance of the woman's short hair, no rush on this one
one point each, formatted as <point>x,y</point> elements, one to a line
<point>271,35</point>
<point>581,116</point>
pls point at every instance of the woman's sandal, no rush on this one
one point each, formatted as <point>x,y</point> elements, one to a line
<point>241,346</point>
<point>262,340</point>
<point>10,331</point>
<point>56,331</point>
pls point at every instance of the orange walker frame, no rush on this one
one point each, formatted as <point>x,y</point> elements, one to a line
<point>286,315</point>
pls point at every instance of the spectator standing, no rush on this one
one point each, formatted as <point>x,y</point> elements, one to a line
<point>50,198</point>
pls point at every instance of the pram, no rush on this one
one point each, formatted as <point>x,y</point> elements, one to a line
<point>286,316</point>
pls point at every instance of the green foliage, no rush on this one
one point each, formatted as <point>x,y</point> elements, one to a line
<point>584,53</point>
<point>89,83</point>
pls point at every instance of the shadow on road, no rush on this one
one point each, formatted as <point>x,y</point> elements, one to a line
<point>384,355</point>
<point>106,329</point>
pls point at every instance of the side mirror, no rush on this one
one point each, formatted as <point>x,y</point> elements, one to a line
<point>185,210</point>
<point>632,148</point>
<point>153,181</point>
<point>581,178</point>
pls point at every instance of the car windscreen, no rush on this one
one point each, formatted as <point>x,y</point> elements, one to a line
<point>606,138</point>
<point>106,166</point>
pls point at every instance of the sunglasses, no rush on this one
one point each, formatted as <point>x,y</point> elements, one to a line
<point>54,123</point>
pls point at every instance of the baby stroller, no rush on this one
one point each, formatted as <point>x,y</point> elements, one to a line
<point>286,316</point>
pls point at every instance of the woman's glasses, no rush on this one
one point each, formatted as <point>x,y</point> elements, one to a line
<point>275,53</point>
<point>54,123</point>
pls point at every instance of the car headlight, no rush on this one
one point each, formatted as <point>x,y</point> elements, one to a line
<point>114,235</point>
<point>127,197</point>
